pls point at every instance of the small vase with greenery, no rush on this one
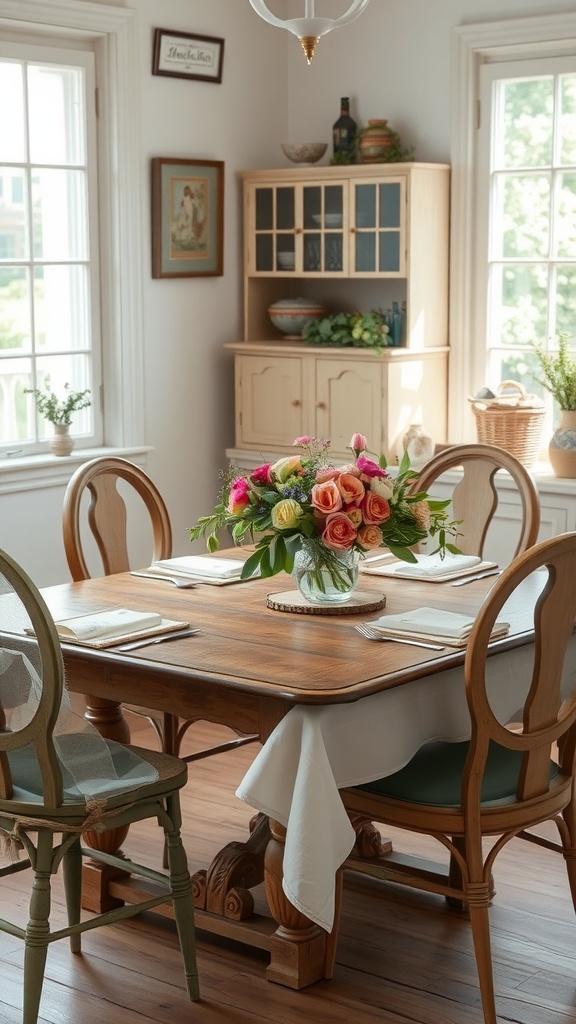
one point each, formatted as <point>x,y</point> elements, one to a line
<point>59,412</point>
<point>558,376</point>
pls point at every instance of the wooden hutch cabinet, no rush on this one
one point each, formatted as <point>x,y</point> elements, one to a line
<point>359,237</point>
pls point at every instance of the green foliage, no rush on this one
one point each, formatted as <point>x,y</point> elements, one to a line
<point>558,372</point>
<point>54,410</point>
<point>351,330</point>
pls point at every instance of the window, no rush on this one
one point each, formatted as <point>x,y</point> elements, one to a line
<point>48,249</point>
<point>527,184</point>
<point>513,234</point>
<point>109,33</point>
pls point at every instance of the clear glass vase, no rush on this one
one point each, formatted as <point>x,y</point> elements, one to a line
<point>324,576</point>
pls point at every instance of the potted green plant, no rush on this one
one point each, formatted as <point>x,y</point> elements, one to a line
<point>59,412</point>
<point>558,376</point>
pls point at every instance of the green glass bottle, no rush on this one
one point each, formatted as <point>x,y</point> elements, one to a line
<point>344,132</point>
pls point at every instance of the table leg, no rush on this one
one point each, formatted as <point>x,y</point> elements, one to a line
<point>107,717</point>
<point>298,947</point>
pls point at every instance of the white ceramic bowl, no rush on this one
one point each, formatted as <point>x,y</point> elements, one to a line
<point>290,315</point>
<point>331,220</point>
<point>304,152</point>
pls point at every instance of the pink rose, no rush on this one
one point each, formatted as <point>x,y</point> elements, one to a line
<point>326,498</point>
<point>358,443</point>
<point>350,470</point>
<point>302,442</point>
<point>339,533</point>
<point>239,496</point>
<point>370,537</point>
<point>351,488</point>
<point>329,473</point>
<point>369,468</point>
<point>261,475</point>
<point>375,509</point>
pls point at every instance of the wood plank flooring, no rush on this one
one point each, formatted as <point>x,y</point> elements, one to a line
<point>403,957</point>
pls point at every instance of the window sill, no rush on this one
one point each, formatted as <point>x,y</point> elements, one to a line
<point>33,472</point>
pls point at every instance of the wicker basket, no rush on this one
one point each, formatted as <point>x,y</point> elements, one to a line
<point>511,420</point>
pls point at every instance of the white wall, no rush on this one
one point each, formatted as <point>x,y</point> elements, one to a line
<point>393,61</point>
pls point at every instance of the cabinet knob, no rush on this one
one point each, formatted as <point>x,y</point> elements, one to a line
<point>320,405</point>
<point>296,402</point>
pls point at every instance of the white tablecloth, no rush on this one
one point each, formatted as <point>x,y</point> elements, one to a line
<point>314,751</point>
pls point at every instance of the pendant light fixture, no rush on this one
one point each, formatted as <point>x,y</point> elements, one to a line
<point>309,29</point>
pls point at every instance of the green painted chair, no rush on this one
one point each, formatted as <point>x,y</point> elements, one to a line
<point>59,779</point>
<point>501,783</point>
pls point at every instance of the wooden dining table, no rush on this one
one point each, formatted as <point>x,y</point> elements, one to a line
<point>247,668</point>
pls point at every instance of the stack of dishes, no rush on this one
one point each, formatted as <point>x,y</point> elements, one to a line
<point>330,220</point>
<point>286,260</point>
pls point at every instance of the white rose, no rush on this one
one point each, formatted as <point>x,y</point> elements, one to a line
<point>382,487</point>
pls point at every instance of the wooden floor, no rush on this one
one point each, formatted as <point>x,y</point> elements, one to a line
<point>403,957</point>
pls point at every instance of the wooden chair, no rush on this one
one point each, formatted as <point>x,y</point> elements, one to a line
<point>108,522</point>
<point>42,807</point>
<point>500,783</point>
<point>475,498</point>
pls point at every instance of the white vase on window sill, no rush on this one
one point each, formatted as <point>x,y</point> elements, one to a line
<point>61,443</point>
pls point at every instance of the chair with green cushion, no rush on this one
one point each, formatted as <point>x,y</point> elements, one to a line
<point>501,782</point>
<point>59,778</point>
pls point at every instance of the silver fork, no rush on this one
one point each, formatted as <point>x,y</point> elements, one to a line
<point>182,583</point>
<point>368,631</point>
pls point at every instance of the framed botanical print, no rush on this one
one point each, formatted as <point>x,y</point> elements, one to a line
<point>187,217</point>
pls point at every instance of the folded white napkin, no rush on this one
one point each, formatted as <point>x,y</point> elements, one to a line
<point>200,565</point>
<point>431,621</point>
<point>433,565</point>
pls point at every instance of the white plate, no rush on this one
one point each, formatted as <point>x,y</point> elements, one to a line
<point>331,220</point>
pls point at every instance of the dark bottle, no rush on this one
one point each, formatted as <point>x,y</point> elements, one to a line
<point>344,131</point>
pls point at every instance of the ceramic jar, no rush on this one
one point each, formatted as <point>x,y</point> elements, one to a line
<point>419,444</point>
<point>61,443</point>
<point>562,450</point>
<point>323,576</point>
<point>374,141</point>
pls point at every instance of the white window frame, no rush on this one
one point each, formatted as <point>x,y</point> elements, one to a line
<point>112,31</point>
<point>472,45</point>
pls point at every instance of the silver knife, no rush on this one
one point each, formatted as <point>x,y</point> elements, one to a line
<point>480,576</point>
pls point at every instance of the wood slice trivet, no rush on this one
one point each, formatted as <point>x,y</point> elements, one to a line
<point>293,601</point>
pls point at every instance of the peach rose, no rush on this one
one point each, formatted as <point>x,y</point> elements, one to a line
<point>339,533</point>
<point>350,470</point>
<point>421,512</point>
<point>239,496</point>
<point>375,509</point>
<point>285,514</point>
<point>351,488</point>
<point>326,498</point>
<point>370,537</point>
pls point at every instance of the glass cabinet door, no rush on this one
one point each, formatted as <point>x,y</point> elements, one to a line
<point>378,218</point>
<point>323,225</point>
<point>274,229</point>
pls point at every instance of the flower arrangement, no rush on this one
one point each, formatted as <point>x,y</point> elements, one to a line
<point>303,498</point>
<point>558,372</point>
<point>54,410</point>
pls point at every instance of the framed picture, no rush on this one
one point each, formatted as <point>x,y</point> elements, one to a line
<point>187,217</point>
<point>181,55</point>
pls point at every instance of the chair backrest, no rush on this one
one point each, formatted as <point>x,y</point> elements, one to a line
<point>475,498</point>
<point>107,515</point>
<point>548,715</point>
<point>31,680</point>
